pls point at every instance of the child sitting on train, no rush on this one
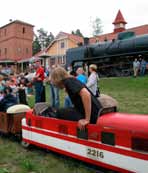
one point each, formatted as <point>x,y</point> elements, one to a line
<point>8,99</point>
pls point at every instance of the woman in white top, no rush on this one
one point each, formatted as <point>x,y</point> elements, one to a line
<point>92,82</point>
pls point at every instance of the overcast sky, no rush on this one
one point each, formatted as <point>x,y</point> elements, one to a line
<point>67,15</point>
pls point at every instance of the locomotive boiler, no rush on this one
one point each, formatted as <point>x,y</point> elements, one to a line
<point>114,58</point>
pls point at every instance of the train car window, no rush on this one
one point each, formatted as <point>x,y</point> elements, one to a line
<point>108,138</point>
<point>140,144</point>
<point>83,134</point>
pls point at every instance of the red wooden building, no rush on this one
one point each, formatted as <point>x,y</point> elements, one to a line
<point>16,40</point>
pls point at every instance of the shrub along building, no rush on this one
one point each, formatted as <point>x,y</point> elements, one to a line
<point>16,40</point>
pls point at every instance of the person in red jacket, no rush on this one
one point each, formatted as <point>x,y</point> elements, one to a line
<point>38,81</point>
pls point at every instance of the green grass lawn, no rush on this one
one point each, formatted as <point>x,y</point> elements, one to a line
<point>132,95</point>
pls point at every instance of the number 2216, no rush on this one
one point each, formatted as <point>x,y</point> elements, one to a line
<point>95,153</point>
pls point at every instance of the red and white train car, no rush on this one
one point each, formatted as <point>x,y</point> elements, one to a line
<point>118,141</point>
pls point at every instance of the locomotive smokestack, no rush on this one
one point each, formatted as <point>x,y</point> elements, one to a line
<point>86,41</point>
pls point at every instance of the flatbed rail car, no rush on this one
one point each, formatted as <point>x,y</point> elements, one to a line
<point>118,141</point>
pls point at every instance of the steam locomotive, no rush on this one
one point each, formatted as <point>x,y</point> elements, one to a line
<point>114,58</point>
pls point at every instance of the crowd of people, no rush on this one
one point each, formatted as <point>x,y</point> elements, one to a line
<point>13,90</point>
<point>82,89</point>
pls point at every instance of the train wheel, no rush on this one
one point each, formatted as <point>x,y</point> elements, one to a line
<point>25,144</point>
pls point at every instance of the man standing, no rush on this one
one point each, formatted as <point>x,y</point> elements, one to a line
<point>38,81</point>
<point>136,66</point>
<point>142,67</point>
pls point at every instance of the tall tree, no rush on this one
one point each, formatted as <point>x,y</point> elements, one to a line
<point>49,39</point>
<point>77,32</point>
<point>42,40</point>
<point>73,32</point>
<point>97,26</point>
<point>36,45</point>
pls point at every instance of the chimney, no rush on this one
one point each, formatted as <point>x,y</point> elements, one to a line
<point>86,41</point>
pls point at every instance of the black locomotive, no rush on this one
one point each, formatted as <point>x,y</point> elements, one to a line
<point>114,58</point>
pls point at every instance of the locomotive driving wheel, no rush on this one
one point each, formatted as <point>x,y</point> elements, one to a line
<point>25,144</point>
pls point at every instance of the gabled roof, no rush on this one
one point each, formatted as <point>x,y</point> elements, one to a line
<point>40,52</point>
<point>119,18</point>
<point>75,38</point>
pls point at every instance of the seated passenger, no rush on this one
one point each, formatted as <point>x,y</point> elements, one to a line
<point>86,106</point>
<point>8,100</point>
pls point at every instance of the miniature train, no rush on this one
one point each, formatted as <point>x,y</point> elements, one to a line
<point>114,58</point>
<point>118,141</point>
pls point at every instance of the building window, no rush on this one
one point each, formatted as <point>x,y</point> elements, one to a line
<point>59,60</point>
<point>19,49</point>
<point>5,32</point>
<point>105,39</point>
<point>62,45</point>
<point>24,30</point>
<point>52,61</point>
<point>5,51</point>
<point>121,25</point>
<point>27,50</point>
<point>97,40</point>
<point>63,59</point>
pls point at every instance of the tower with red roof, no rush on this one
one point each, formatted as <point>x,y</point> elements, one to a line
<point>119,23</point>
